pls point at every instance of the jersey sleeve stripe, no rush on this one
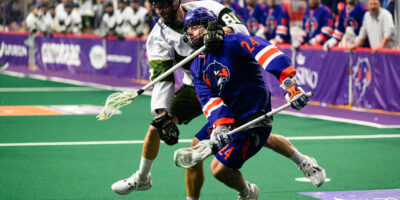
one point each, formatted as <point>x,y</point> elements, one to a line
<point>327,30</point>
<point>260,53</point>
<point>281,29</point>
<point>212,104</point>
<point>222,121</point>
<point>267,54</point>
<point>271,58</point>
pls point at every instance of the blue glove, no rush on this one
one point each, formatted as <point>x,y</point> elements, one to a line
<point>220,137</point>
<point>294,94</point>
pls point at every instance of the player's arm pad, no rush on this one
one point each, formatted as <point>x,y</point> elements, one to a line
<point>167,130</point>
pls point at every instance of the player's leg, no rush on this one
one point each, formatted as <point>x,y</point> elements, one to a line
<point>306,164</point>
<point>141,179</point>
<point>229,159</point>
<point>186,107</point>
<point>182,110</point>
<point>194,178</point>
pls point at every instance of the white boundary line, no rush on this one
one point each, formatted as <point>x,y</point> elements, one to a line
<point>106,87</point>
<point>69,81</point>
<point>338,119</point>
<point>339,137</point>
<point>49,89</point>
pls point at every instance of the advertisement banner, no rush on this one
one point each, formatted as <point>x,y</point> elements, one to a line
<point>323,73</point>
<point>375,81</point>
<point>13,49</point>
<point>88,56</point>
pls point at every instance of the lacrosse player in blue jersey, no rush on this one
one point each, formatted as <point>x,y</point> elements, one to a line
<point>229,84</point>
<point>164,47</point>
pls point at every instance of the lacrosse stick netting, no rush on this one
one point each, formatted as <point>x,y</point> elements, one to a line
<point>114,102</point>
<point>120,99</point>
<point>189,157</point>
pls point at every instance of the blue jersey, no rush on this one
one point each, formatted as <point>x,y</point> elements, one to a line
<point>318,25</point>
<point>239,11</point>
<point>352,18</point>
<point>230,85</point>
<point>276,22</point>
<point>254,18</point>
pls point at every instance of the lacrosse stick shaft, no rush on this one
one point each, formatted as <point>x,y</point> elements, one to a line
<point>258,119</point>
<point>171,70</point>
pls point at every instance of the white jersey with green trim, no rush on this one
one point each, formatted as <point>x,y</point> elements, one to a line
<point>164,43</point>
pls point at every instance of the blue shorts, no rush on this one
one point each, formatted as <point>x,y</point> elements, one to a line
<point>244,145</point>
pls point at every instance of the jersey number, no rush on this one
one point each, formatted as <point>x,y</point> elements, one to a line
<point>230,18</point>
<point>227,153</point>
<point>253,42</point>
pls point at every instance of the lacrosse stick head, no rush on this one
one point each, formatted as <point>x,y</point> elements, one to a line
<point>190,156</point>
<point>114,102</point>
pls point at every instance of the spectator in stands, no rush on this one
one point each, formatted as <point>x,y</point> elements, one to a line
<point>150,21</point>
<point>33,22</point>
<point>87,14</point>
<point>123,14</point>
<point>42,10</point>
<point>334,5</point>
<point>136,21</point>
<point>317,25</point>
<point>253,18</point>
<point>60,10</point>
<point>377,26</point>
<point>51,21</point>
<point>99,10</point>
<point>109,22</point>
<point>350,22</point>
<point>72,21</point>
<point>235,6</point>
<point>388,5</point>
<point>276,22</point>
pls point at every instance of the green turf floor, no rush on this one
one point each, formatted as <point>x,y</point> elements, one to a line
<point>87,171</point>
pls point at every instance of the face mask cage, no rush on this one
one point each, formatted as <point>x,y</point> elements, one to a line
<point>199,42</point>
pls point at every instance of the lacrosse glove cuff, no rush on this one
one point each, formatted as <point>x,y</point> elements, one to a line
<point>166,128</point>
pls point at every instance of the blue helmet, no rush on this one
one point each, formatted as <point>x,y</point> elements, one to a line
<point>198,16</point>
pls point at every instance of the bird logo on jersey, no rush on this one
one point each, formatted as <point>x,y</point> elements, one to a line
<point>361,78</point>
<point>271,24</point>
<point>311,26</point>
<point>351,22</point>
<point>216,75</point>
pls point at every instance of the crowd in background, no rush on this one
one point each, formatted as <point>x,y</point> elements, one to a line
<point>314,22</point>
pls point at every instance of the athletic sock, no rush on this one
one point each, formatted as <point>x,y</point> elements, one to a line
<point>192,198</point>
<point>297,157</point>
<point>145,167</point>
<point>245,191</point>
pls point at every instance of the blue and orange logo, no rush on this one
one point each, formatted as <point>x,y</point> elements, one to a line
<point>216,75</point>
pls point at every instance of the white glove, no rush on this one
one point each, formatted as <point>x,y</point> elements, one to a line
<point>294,93</point>
<point>329,44</point>
<point>220,137</point>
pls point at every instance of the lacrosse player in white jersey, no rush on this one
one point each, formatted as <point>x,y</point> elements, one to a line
<point>165,46</point>
<point>109,21</point>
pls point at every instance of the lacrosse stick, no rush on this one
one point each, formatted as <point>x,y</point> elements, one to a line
<point>190,156</point>
<point>119,99</point>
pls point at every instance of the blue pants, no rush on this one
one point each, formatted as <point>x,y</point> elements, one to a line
<point>244,145</point>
